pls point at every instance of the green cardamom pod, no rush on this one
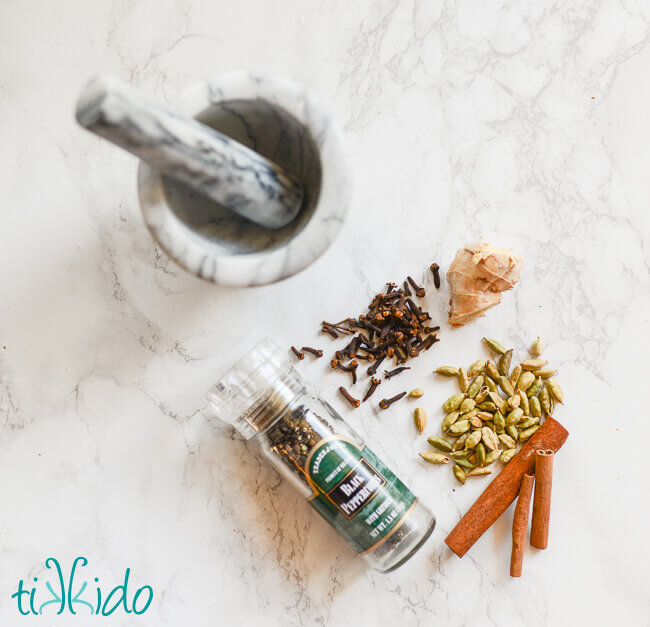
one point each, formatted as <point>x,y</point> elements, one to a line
<point>480,453</point>
<point>465,463</point>
<point>467,405</point>
<point>453,402</point>
<point>467,415</point>
<point>440,443</point>
<point>528,422</point>
<point>555,390</point>
<point>492,456</point>
<point>475,472</point>
<point>545,400</point>
<point>459,444</point>
<point>482,394</point>
<point>513,432</point>
<point>545,373</point>
<point>537,347</point>
<point>514,416</point>
<point>449,420</point>
<point>494,345</point>
<point>473,440</point>
<point>514,375</point>
<point>533,364</point>
<point>513,401</point>
<point>504,363</point>
<point>416,393</point>
<point>499,422</point>
<point>523,402</point>
<point>507,441</point>
<point>475,422</point>
<point>535,407</point>
<point>463,380</point>
<point>420,419</point>
<point>535,387</point>
<point>525,380</point>
<point>434,458</point>
<point>459,473</point>
<point>487,406</point>
<point>459,454</point>
<point>475,386</point>
<point>526,434</point>
<point>476,368</point>
<point>492,371</point>
<point>447,371</point>
<point>499,401</point>
<point>506,386</point>
<point>459,427</point>
<point>489,438</point>
<point>490,384</point>
<point>507,455</point>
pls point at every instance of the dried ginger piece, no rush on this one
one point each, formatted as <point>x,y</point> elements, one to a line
<point>477,276</point>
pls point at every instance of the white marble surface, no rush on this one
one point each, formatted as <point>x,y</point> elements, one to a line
<point>524,123</point>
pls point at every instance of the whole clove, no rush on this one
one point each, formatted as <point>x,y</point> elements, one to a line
<point>435,270</point>
<point>393,327</point>
<point>419,291</point>
<point>316,352</point>
<point>330,331</point>
<point>336,327</point>
<point>351,368</point>
<point>372,370</point>
<point>385,403</point>
<point>374,384</point>
<point>349,398</point>
<point>297,353</point>
<point>429,342</point>
<point>388,374</point>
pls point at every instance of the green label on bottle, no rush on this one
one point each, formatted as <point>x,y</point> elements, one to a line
<point>356,493</point>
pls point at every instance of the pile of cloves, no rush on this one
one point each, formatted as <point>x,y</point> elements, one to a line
<point>394,327</point>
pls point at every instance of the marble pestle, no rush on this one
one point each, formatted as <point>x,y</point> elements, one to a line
<point>187,150</point>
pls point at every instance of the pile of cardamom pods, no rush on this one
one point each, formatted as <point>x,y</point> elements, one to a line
<point>497,409</point>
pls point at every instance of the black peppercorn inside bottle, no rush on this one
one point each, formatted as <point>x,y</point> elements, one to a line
<point>327,461</point>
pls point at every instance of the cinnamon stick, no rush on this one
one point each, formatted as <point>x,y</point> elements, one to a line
<point>520,525</point>
<point>496,498</point>
<point>542,503</point>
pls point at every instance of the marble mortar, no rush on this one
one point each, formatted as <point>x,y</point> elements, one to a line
<point>280,121</point>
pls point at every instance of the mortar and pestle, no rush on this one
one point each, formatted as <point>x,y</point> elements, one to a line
<point>246,185</point>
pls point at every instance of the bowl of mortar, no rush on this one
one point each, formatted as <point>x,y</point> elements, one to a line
<point>279,120</point>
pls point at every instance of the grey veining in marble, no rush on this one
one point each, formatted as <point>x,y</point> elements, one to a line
<point>522,123</point>
<point>208,161</point>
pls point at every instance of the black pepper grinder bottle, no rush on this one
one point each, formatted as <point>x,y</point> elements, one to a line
<point>307,441</point>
